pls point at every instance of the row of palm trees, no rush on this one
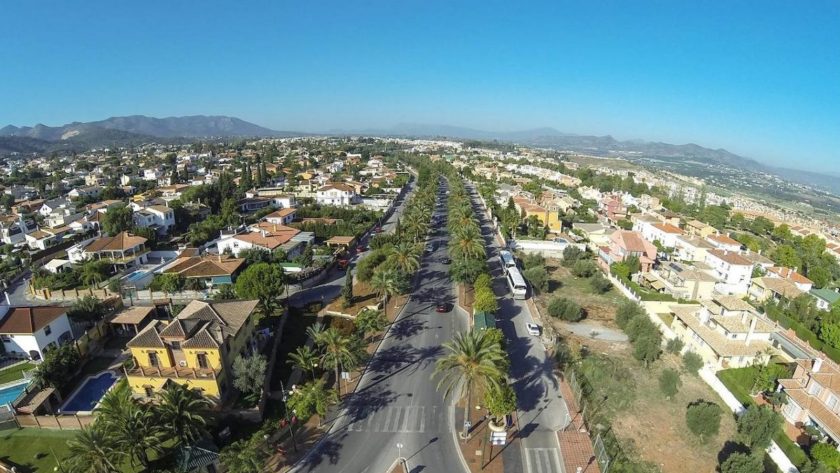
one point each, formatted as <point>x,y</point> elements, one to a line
<point>466,244</point>
<point>129,430</point>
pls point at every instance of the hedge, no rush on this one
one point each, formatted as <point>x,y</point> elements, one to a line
<point>793,451</point>
<point>804,333</point>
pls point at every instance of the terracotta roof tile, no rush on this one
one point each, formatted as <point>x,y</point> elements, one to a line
<point>28,320</point>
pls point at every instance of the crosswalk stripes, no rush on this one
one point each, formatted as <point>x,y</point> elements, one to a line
<point>399,419</point>
<point>542,460</point>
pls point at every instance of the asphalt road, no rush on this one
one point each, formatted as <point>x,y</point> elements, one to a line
<point>541,410</point>
<point>396,401</point>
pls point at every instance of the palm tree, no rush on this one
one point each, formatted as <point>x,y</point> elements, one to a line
<point>467,244</point>
<point>472,360</point>
<point>304,359</point>
<point>386,283</point>
<point>182,411</point>
<point>370,321</point>
<point>337,351</point>
<point>92,451</point>
<point>315,330</point>
<point>91,273</point>
<point>405,257</point>
<point>133,429</point>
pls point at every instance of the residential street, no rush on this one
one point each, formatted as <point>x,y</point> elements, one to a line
<point>397,401</point>
<point>542,411</point>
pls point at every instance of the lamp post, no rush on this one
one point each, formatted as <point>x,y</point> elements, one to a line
<point>399,455</point>
<point>286,415</point>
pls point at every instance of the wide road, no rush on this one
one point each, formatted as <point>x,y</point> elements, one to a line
<point>541,410</point>
<point>396,401</point>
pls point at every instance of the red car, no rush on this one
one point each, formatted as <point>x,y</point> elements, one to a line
<point>443,307</point>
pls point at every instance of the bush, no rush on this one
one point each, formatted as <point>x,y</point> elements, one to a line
<point>692,362</point>
<point>571,254</point>
<point>674,346</point>
<point>485,300</point>
<point>703,419</point>
<point>483,280</point>
<point>600,284</point>
<point>565,309</point>
<point>669,382</point>
<point>626,312</point>
<point>584,268</point>
<point>826,454</point>
<point>538,277</point>
<point>533,261</point>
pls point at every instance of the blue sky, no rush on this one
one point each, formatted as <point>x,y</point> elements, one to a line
<point>760,78</point>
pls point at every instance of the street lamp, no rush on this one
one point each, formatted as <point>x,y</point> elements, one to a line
<point>399,455</point>
<point>286,415</point>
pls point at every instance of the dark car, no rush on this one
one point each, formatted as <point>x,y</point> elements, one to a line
<point>446,261</point>
<point>443,307</point>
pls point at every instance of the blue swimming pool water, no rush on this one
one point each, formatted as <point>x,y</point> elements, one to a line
<point>10,393</point>
<point>88,395</point>
<point>136,276</point>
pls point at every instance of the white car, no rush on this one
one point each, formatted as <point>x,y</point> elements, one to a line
<point>533,329</point>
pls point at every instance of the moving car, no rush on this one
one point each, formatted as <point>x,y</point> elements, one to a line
<point>533,329</point>
<point>443,307</point>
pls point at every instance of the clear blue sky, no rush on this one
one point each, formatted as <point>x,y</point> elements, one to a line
<point>760,78</point>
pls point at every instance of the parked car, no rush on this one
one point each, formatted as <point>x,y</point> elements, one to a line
<point>446,261</point>
<point>533,329</point>
<point>443,307</point>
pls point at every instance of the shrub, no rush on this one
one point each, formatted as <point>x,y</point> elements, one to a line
<point>565,309</point>
<point>483,280</point>
<point>485,300</point>
<point>692,362</point>
<point>827,455</point>
<point>646,348</point>
<point>703,418</point>
<point>533,261</point>
<point>600,284</point>
<point>571,254</point>
<point>669,382</point>
<point>584,268</point>
<point>626,312</point>
<point>674,346</point>
<point>538,277</point>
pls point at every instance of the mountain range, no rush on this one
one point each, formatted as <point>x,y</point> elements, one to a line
<point>138,129</point>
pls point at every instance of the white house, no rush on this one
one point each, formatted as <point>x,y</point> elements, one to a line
<point>152,174</point>
<point>336,193</point>
<point>85,192</point>
<point>14,232</point>
<point>157,217</point>
<point>54,205</point>
<point>724,242</point>
<point>28,332</point>
<point>283,216</point>
<point>732,270</point>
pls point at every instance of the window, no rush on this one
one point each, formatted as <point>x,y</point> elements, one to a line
<point>814,388</point>
<point>150,391</point>
<point>47,330</point>
<point>5,338</point>
<point>202,360</point>
<point>153,359</point>
<point>831,402</point>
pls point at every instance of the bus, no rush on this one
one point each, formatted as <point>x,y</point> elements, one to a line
<point>507,260</point>
<point>517,284</point>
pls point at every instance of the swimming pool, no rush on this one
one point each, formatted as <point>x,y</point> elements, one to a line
<point>10,393</point>
<point>87,396</point>
<point>136,276</point>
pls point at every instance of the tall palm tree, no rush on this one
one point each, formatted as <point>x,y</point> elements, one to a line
<point>313,398</point>
<point>337,352</point>
<point>406,257</point>
<point>183,413</point>
<point>91,274</point>
<point>304,359</point>
<point>473,360</point>
<point>386,284</point>
<point>92,451</point>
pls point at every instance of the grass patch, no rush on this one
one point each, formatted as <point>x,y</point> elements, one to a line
<point>31,450</point>
<point>14,373</point>
<point>665,317</point>
<point>793,451</point>
<point>740,382</point>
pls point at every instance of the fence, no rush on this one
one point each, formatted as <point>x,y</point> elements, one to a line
<point>69,294</point>
<point>60,422</point>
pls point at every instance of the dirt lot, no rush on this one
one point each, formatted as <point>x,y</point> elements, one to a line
<point>643,420</point>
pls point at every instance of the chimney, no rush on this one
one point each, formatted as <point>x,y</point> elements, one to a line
<point>750,333</point>
<point>817,365</point>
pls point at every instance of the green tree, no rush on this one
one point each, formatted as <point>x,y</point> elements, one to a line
<point>538,277</point>
<point>742,463</point>
<point>249,375</point>
<point>571,254</point>
<point>758,425</point>
<point>169,282</point>
<point>119,218</point>
<point>669,382</point>
<point>59,367</point>
<point>134,429</point>
<point>584,268</point>
<point>262,281</point>
<point>305,359</point>
<point>347,290</point>
<point>244,456</point>
<point>405,257</point>
<point>94,272</point>
<point>500,400</point>
<point>470,361</point>
<point>386,283</point>
<point>703,419</point>
<point>87,309</point>
<point>692,362</point>
<point>466,271</point>
<point>647,348</point>
<point>633,264</point>
<point>827,455</point>
<point>224,292</point>
<point>599,284</point>
<point>674,346</point>
<point>370,321</point>
<point>312,398</point>
<point>182,412</point>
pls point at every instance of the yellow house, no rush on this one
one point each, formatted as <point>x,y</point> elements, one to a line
<point>548,217</point>
<point>196,349</point>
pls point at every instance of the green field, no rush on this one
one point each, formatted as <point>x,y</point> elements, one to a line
<point>14,373</point>
<point>32,450</point>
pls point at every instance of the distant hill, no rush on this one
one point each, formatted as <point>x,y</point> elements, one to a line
<point>633,150</point>
<point>123,131</point>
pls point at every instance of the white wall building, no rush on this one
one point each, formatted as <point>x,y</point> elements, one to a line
<point>28,332</point>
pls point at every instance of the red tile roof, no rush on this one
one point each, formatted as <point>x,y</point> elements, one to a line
<point>28,320</point>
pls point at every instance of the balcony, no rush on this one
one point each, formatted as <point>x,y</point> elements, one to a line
<point>172,372</point>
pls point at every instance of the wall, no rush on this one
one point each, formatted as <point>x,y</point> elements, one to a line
<point>141,356</point>
<point>208,386</point>
<point>214,359</point>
